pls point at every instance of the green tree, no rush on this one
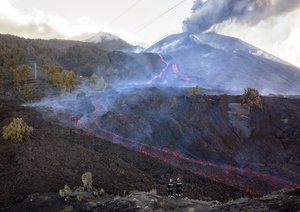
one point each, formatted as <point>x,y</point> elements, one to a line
<point>19,76</point>
<point>251,98</point>
<point>27,92</point>
<point>67,80</point>
<point>64,79</point>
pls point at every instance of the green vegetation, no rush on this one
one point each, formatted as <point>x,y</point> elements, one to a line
<point>251,98</point>
<point>53,74</point>
<point>67,80</point>
<point>194,91</point>
<point>87,180</point>
<point>66,193</point>
<point>27,92</point>
<point>16,131</point>
<point>19,76</point>
<point>12,51</point>
<point>61,78</point>
<point>82,58</point>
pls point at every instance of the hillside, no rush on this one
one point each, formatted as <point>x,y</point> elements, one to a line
<point>84,58</point>
<point>58,155</point>
<point>226,63</point>
<point>143,126</point>
<point>213,136</point>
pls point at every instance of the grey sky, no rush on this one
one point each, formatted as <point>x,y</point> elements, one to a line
<point>72,17</point>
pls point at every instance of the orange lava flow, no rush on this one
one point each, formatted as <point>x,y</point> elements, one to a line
<point>248,181</point>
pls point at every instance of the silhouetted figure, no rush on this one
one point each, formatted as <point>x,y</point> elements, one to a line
<point>178,188</point>
<point>170,188</point>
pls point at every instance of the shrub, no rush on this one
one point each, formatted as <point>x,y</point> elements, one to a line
<point>52,73</point>
<point>67,80</point>
<point>194,91</point>
<point>251,98</point>
<point>16,131</point>
<point>87,180</point>
<point>27,92</point>
<point>66,192</point>
<point>61,78</point>
<point>19,76</point>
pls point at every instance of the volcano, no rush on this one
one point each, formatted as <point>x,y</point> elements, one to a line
<point>209,139</point>
<point>220,62</point>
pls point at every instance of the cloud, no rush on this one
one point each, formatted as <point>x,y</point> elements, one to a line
<point>30,29</point>
<point>206,14</point>
<point>272,25</point>
<point>36,25</point>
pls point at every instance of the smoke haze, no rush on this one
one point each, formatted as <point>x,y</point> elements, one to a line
<point>272,25</point>
<point>209,13</point>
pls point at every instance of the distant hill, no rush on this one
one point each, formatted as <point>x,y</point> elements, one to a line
<point>85,58</point>
<point>111,42</point>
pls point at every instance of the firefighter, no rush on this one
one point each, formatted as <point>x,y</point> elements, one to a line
<point>178,188</point>
<point>170,188</point>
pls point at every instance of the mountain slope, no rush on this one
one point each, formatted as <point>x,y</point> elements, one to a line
<point>82,57</point>
<point>111,42</point>
<point>221,62</point>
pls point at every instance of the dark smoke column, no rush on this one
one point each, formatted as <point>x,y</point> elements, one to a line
<point>206,14</point>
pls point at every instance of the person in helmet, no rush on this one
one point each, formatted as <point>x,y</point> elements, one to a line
<point>170,188</point>
<point>178,188</point>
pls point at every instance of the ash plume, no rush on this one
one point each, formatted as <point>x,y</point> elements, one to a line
<point>206,14</point>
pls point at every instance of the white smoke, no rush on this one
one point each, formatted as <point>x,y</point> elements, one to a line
<point>272,25</point>
<point>209,13</point>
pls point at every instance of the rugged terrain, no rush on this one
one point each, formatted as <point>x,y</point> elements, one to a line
<point>57,154</point>
<point>110,62</point>
<point>222,62</point>
<point>255,150</point>
<point>285,200</point>
<point>140,132</point>
<point>54,156</point>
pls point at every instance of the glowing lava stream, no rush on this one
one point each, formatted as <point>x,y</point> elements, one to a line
<point>174,68</point>
<point>254,183</point>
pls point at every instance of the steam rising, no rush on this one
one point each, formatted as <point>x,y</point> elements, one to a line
<point>206,14</point>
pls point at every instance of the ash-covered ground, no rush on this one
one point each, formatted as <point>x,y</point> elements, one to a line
<point>139,138</point>
<point>55,156</point>
<point>139,132</point>
<point>254,150</point>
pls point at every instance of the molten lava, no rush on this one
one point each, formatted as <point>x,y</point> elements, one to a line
<point>164,71</point>
<point>252,182</point>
